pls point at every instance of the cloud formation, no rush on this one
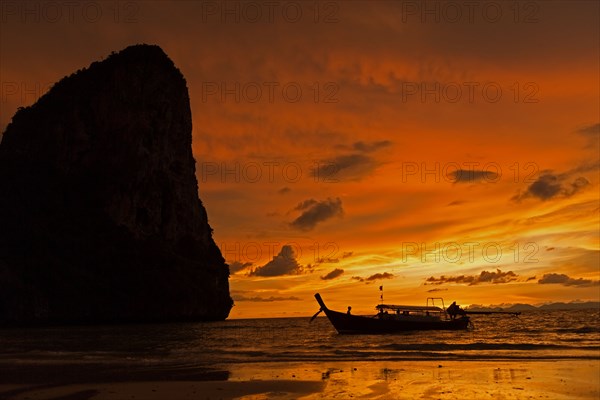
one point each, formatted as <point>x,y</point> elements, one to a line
<point>314,212</point>
<point>484,277</point>
<point>370,147</point>
<point>330,260</point>
<point>353,166</point>
<point>468,176</point>
<point>284,263</point>
<point>326,260</point>
<point>385,275</point>
<point>374,277</point>
<point>592,133</point>
<point>545,187</point>
<point>566,280</point>
<point>436,290</point>
<point>549,186</point>
<point>590,130</point>
<point>541,187</point>
<point>333,274</point>
<point>344,167</point>
<point>237,266</point>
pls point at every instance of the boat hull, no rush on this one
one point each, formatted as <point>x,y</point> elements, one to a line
<point>358,324</point>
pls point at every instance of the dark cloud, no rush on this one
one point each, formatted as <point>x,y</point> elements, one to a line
<point>549,186</point>
<point>354,166</point>
<point>333,274</point>
<point>467,176</point>
<point>237,266</point>
<point>284,190</point>
<point>344,167</point>
<point>265,299</point>
<point>364,147</point>
<point>327,260</point>
<point>588,166</point>
<point>593,130</point>
<point>566,280</point>
<point>284,263</point>
<point>385,275</point>
<point>455,203</point>
<point>314,211</point>
<point>592,133</point>
<point>483,277</point>
<point>370,147</point>
<point>374,277</point>
<point>305,204</point>
<point>546,187</point>
<point>347,254</point>
<point>436,290</point>
<point>531,278</point>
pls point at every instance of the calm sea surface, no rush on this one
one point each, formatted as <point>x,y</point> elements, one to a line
<point>536,335</point>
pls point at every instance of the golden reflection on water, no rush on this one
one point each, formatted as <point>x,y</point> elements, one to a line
<point>431,380</point>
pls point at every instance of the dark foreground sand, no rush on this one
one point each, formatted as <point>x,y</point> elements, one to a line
<point>344,380</point>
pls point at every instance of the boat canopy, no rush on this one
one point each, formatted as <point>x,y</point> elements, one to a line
<point>408,308</point>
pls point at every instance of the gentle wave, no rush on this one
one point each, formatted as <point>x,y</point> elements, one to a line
<point>486,346</point>
<point>583,329</point>
<point>534,336</point>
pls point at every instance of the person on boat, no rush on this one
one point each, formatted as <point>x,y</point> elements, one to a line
<point>455,310</point>
<point>349,308</point>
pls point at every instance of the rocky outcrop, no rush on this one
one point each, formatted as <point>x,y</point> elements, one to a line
<point>100,219</point>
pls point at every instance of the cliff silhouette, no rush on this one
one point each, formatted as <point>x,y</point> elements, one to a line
<point>100,219</point>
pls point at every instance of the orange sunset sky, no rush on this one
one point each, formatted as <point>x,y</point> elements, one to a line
<point>437,149</point>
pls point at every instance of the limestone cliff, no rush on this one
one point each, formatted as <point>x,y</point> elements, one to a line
<point>100,219</point>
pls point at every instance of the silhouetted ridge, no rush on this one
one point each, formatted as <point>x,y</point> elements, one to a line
<point>100,218</point>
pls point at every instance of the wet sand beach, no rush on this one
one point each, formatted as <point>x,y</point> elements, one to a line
<point>562,379</point>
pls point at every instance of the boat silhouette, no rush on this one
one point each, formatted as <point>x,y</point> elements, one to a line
<point>395,318</point>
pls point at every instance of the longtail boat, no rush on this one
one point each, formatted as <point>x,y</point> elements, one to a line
<point>395,318</point>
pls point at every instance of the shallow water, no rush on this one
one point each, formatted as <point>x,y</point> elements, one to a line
<point>535,335</point>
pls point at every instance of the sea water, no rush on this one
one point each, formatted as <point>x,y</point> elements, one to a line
<point>537,335</point>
